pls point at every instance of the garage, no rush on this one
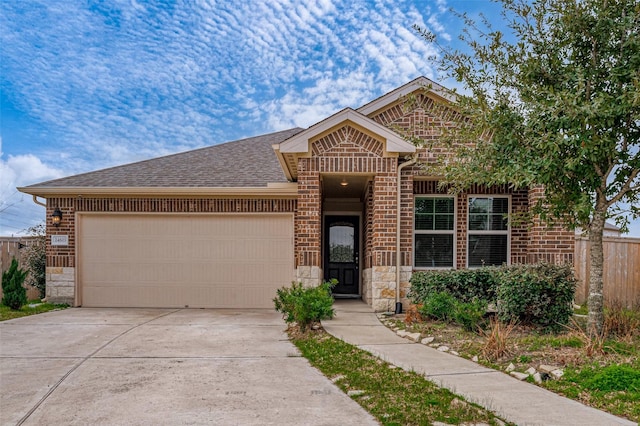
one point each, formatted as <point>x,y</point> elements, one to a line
<point>183,260</point>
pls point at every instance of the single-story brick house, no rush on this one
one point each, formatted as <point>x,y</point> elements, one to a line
<point>226,225</point>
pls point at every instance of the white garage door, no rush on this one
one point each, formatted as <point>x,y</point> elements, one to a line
<point>199,261</point>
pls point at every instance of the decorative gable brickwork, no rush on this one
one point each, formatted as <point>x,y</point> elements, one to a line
<point>347,141</point>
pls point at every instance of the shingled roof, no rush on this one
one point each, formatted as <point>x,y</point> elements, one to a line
<point>247,162</point>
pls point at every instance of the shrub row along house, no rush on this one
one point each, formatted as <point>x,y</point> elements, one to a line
<point>226,225</point>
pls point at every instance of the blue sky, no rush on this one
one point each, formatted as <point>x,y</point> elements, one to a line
<point>91,84</point>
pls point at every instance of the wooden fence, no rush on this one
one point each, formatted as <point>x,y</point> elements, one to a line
<point>11,247</point>
<point>621,277</point>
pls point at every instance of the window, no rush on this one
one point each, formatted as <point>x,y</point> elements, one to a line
<point>434,224</point>
<point>488,231</point>
<point>341,243</point>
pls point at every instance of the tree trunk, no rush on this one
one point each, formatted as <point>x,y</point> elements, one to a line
<point>595,302</point>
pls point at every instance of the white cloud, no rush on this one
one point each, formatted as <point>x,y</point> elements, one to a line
<point>121,81</point>
<point>17,211</point>
<point>143,77</point>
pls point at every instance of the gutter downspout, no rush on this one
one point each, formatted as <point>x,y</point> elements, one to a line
<point>398,254</point>
<point>35,200</point>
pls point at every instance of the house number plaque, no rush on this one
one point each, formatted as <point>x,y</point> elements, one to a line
<point>59,240</point>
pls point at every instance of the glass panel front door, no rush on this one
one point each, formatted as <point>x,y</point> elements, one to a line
<point>341,253</point>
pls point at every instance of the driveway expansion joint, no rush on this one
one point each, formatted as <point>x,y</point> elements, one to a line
<point>82,361</point>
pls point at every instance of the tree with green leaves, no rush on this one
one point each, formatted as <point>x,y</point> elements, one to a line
<point>555,101</point>
<point>35,258</point>
<point>14,295</point>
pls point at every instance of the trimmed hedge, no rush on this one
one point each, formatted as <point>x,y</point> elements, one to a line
<point>466,285</point>
<point>539,294</point>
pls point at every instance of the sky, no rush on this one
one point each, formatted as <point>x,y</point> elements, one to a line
<point>86,85</point>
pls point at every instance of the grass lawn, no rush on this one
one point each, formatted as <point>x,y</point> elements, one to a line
<point>31,308</point>
<point>602,373</point>
<point>393,396</point>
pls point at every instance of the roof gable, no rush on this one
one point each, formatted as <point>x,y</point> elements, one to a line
<point>419,84</point>
<point>301,144</point>
<point>348,138</point>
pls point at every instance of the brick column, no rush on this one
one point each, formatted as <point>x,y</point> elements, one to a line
<point>385,210</point>
<point>406,233</point>
<point>308,225</point>
<point>60,263</point>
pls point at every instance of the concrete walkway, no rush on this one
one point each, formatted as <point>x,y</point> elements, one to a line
<point>518,402</point>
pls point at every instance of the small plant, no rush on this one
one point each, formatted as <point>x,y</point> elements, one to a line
<point>614,378</point>
<point>524,359</point>
<point>470,315</point>
<point>35,258</point>
<point>14,294</point>
<point>465,285</point>
<point>496,339</point>
<point>620,322</point>
<point>593,343</point>
<point>305,305</point>
<point>443,306</point>
<point>439,306</point>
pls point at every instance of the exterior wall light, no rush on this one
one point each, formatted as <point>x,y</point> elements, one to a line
<point>344,182</point>
<point>56,217</point>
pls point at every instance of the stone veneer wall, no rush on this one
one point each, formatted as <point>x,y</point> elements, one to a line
<point>60,270</point>
<point>380,287</point>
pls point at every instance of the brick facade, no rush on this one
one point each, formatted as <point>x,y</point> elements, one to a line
<point>548,243</point>
<point>343,150</point>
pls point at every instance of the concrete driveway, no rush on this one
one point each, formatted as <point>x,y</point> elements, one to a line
<point>162,367</point>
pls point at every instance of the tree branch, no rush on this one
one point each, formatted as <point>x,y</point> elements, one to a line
<point>625,188</point>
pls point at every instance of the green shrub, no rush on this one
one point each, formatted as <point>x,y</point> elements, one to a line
<point>540,294</point>
<point>470,315</point>
<point>439,306</point>
<point>14,294</point>
<point>305,305</point>
<point>34,257</point>
<point>444,307</point>
<point>465,285</point>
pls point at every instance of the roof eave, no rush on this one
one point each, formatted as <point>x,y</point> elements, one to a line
<point>300,143</point>
<point>283,163</point>
<point>281,190</point>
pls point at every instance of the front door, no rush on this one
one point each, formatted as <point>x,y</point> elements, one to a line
<point>342,253</point>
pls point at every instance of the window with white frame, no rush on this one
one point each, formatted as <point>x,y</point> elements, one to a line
<point>488,231</point>
<point>434,228</point>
